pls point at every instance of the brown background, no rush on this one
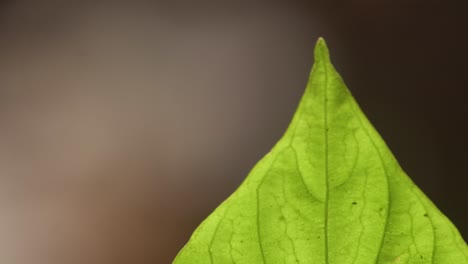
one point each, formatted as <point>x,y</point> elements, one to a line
<point>124,123</point>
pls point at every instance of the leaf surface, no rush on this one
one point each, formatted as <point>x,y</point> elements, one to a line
<point>329,192</point>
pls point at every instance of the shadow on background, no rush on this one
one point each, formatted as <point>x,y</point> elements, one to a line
<point>124,124</point>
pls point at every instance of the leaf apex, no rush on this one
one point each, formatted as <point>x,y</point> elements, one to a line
<point>321,51</point>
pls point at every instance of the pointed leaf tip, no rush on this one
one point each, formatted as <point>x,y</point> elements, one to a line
<point>321,52</point>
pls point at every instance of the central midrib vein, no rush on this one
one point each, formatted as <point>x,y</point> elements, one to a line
<point>325,103</point>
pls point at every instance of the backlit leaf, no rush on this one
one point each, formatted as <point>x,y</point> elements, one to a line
<point>329,192</point>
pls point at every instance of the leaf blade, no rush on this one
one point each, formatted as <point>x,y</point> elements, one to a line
<point>330,191</point>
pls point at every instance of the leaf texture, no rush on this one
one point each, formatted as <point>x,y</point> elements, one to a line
<point>329,192</point>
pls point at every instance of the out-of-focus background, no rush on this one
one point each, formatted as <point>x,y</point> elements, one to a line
<point>123,124</point>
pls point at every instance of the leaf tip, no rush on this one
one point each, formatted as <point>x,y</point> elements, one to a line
<point>321,51</point>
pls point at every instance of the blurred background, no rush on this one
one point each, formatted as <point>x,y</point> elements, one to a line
<point>123,124</point>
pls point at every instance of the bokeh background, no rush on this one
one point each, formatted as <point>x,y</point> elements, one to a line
<point>123,124</point>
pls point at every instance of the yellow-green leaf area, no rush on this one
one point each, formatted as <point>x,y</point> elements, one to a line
<point>329,192</point>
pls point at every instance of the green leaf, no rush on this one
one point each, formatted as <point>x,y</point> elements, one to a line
<point>330,192</point>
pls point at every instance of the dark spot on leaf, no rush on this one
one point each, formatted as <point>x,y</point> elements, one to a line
<point>381,211</point>
<point>354,203</point>
<point>425,215</point>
